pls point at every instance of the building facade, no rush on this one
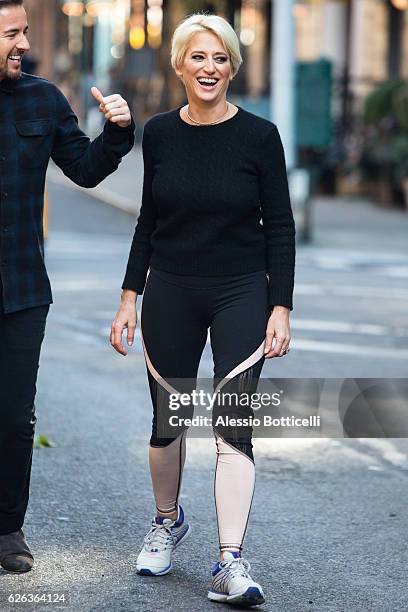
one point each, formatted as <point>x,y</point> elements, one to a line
<point>126,44</point>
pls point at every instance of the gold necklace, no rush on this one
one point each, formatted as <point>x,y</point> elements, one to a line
<point>212,122</point>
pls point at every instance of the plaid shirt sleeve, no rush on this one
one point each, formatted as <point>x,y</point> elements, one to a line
<point>36,123</point>
<point>87,163</point>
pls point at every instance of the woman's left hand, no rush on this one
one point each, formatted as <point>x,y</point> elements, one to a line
<point>278,328</point>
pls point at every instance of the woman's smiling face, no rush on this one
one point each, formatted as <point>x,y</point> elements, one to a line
<point>206,70</point>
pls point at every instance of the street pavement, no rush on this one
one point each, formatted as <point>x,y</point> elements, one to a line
<point>328,528</point>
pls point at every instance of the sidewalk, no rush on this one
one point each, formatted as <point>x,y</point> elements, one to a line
<point>347,225</point>
<point>122,189</point>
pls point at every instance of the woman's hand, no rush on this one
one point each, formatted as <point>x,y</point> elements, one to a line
<point>278,328</point>
<point>126,318</point>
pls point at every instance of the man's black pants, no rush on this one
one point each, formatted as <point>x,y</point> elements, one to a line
<point>21,336</point>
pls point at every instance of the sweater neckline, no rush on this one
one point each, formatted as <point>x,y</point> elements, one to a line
<point>215,125</point>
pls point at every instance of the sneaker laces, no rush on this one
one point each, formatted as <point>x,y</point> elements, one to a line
<point>235,567</point>
<point>158,538</point>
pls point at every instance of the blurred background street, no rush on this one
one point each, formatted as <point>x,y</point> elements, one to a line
<point>330,514</point>
<point>331,73</point>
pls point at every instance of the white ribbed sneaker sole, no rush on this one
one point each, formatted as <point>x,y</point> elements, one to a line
<point>143,570</point>
<point>252,596</point>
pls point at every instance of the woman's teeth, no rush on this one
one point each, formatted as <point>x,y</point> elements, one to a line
<point>207,82</point>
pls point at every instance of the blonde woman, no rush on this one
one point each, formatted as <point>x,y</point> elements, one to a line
<point>216,234</point>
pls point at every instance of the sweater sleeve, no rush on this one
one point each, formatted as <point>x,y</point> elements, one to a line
<point>141,250</point>
<point>277,220</point>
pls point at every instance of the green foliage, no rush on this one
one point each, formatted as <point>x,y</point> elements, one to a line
<point>400,106</point>
<point>385,133</point>
<point>43,442</point>
<point>388,100</point>
<point>380,102</point>
<point>195,6</point>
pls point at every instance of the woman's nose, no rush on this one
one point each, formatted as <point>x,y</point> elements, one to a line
<point>209,66</point>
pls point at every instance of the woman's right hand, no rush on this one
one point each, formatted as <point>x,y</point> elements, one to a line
<point>126,318</point>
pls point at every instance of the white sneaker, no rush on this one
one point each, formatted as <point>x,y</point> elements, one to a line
<point>231,582</point>
<point>164,536</point>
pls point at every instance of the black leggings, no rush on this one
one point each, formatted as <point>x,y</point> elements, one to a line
<point>177,312</point>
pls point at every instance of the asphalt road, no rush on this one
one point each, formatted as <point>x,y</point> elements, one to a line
<point>328,529</point>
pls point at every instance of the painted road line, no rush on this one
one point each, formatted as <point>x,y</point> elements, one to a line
<point>385,293</point>
<point>347,327</point>
<point>387,450</point>
<point>316,346</point>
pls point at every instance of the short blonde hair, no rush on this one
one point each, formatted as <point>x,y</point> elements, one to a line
<point>200,22</point>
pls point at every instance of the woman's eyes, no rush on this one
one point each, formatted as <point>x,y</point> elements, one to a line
<point>220,59</point>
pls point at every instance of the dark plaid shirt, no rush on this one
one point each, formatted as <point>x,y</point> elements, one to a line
<point>36,123</point>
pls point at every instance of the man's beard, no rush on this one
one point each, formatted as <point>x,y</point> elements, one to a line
<point>5,73</point>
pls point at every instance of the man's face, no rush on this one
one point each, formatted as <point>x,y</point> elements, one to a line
<point>13,41</point>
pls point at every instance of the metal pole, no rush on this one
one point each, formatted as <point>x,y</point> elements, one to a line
<point>283,75</point>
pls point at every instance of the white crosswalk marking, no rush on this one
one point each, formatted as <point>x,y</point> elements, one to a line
<point>355,291</point>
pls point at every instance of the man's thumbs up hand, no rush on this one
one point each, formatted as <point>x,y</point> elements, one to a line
<point>114,107</point>
<point>97,94</point>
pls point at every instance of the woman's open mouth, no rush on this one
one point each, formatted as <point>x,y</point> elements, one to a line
<point>207,83</point>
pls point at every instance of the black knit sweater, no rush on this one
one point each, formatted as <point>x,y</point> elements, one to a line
<point>215,203</point>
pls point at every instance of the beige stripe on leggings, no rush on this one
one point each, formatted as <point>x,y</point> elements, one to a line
<point>166,469</point>
<point>233,491</point>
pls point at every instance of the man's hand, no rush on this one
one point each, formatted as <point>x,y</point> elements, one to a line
<point>114,107</point>
<point>277,329</point>
<point>126,318</point>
